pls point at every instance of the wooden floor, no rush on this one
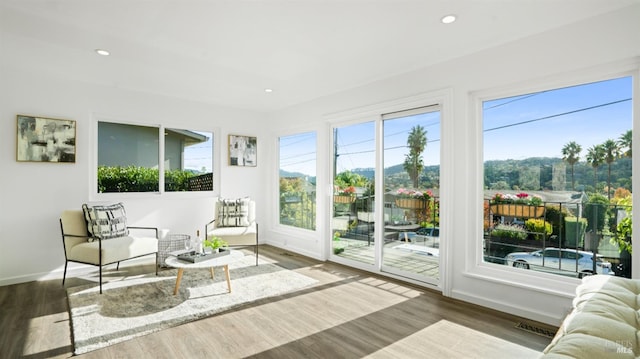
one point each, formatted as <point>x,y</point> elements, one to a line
<point>347,314</point>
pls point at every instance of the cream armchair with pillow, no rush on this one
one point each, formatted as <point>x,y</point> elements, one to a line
<point>234,221</point>
<point>99,235</point>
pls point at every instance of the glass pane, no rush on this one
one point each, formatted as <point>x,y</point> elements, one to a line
<point>411,183</point>
<point>127,158</point>
<point>188,160</point>
<point>352,221</point>
<point>298,180</point>
<point>557,169</point>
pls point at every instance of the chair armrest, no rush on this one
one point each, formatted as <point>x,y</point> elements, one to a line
<point>206,227</point>
<point>76,236</point>
<point>145,228</point>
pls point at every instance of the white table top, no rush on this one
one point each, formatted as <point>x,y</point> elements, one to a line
<point>233,256</point>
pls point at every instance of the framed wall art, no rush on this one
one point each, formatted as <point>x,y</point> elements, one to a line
<point>243,151</point>
<point>42,139</point>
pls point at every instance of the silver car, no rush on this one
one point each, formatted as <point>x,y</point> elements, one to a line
<point>555,259</point>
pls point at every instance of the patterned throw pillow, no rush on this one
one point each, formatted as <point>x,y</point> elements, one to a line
<point>233,212</point>
<point>106,221</point>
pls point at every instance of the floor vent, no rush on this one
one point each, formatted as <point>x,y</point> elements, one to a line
<point>540,329</point>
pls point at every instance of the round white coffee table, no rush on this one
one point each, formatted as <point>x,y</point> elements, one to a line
<point>223,261</point>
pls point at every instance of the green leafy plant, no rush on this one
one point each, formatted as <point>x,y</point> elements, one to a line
<point>595,211</point>
<point>624,229</point>
<point>513,231</point>
<point>538,227</point>
<point>140,179</point>
<point>215,242</point>
<point>347,179</point>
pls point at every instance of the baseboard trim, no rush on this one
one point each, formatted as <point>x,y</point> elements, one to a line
<point>510,308</point>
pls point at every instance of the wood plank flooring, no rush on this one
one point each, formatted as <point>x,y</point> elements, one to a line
<point>347,314</point>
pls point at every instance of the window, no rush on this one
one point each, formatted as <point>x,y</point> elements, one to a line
<point>298,180</point>
<point>557,175</point>
<point>128,159</point>
<point>188,160</point>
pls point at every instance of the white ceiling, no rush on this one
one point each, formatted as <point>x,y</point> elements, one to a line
<point>228,52</point>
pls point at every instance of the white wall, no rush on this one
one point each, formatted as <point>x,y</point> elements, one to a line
<point>32,195</point>
<point>568,52</point>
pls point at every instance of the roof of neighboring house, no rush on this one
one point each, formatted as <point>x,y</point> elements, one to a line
<point>189,137</point>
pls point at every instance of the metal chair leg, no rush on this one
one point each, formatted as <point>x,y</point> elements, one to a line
<point>64,275</point>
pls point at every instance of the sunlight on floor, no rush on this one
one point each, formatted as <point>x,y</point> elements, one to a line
<point>451,340</point>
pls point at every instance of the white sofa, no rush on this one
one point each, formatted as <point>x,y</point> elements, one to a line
<point>242,233</point>
<point>82,247</point>
<point>603,322</point>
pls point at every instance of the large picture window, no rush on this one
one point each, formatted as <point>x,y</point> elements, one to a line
<point>298,180</point>
<point>129,159</point>
<point>557,179</point>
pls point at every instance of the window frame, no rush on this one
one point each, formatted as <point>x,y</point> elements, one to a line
<point>94,195</point>
<point>475,266</point>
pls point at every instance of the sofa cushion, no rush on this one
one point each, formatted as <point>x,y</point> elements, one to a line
<point>604,322</point>
<point>233,212</point>
<point>106,222</point>
<point>113,250</point>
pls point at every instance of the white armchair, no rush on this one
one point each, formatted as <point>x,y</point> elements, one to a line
<point>234,221</point>
<point>105,245</point>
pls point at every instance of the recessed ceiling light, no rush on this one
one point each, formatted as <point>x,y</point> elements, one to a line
<point>448,19</point>
<point>102,52</point>
<point>268,90</point>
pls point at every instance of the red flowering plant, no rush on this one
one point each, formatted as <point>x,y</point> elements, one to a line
<point>348,191</point>
<point>412,193</point>
<point>520,198</point>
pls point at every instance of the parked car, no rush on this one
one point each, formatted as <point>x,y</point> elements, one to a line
<point>430,231</point>
<point>570,260</point>
<point>429,236</point>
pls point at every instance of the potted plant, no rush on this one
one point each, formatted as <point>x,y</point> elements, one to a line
<point>518,205</point>
<point>345,195</point>
<point>215,243</point>
<point>412,199</point>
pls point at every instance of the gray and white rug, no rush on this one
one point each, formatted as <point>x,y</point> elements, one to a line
<point>141,305</point>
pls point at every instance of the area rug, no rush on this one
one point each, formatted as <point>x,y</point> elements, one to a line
<point>132,307</point>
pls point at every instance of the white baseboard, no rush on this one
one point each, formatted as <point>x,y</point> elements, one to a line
<point>509,308</point>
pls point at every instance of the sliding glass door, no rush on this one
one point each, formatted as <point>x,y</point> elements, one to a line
<point>401,235</point>
<point>353,220</point>
<point>411,243</point>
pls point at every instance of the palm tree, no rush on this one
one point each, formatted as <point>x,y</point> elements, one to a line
<point>611,153</point>
<point>417,142</point>
<point>624,142</point>
<point>571,155</point>
<point>595,157</point>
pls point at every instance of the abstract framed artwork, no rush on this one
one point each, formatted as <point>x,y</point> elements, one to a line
<point>42,139</point>
<point>243,151</point>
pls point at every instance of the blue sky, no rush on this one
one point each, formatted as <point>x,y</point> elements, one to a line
<point>298,153</point>
<point>199,155</point>
<point>586,126</point>
<point>537,125</point>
